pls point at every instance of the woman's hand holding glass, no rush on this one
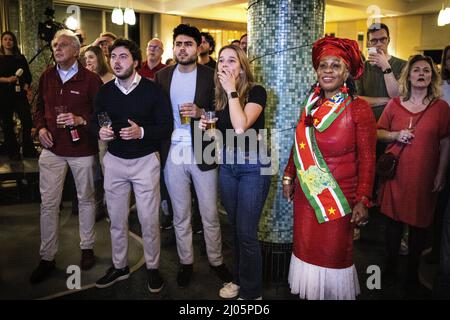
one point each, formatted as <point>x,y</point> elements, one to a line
<point>207,123</point>
<point>404,136</point>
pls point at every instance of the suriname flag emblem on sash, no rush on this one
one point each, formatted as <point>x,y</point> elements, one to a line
<point>316,180</point>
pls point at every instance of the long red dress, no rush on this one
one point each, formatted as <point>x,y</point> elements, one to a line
<point>348,147</point>
<point>408,197</point>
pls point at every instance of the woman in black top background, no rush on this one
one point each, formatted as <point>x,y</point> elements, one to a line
<point>13,94</point>
<point>243,176</point>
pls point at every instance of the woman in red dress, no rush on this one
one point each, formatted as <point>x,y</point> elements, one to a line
<point>418,124</point>
<point>330,175</point>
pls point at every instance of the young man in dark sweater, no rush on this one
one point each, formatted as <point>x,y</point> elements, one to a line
<point>141,119</point>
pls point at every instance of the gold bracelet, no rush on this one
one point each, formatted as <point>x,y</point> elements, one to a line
<point>287,178</point>
<point>286,182</point>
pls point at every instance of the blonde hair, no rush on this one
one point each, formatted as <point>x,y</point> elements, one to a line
<point>244,82</point>
<point>433,91</point>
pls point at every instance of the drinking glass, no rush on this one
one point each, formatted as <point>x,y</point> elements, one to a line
<point>60,110</point>
<point>104,120</point>
<point>183,119</point>
<point>210,120</point>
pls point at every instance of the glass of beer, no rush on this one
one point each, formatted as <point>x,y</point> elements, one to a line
<point>210,120</point>
<point>60,110</point>
<point>183,119</point>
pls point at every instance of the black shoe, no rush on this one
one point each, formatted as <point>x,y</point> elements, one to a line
<point>166,222</point>
<point>42,272</point>
<point>222,273</point>
<point>112,276</point>
<point>87,259</point>
<point>184,275</point>
<point>155,282</point>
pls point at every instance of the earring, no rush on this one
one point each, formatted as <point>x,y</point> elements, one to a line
<point>344,88</point>
<point>317,89</point>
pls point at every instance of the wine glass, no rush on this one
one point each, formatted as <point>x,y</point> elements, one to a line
<point>104,120</point>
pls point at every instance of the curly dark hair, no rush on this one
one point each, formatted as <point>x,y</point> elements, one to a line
<point>209,38</point>
<point>131,46</point>
<point>188,30</point>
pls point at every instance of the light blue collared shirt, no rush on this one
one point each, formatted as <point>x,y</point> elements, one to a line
<point>66,75</point>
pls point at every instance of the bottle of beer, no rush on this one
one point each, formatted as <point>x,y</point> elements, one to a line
<point>73,133</point>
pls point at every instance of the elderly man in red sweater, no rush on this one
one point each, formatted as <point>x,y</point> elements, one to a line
<point>64,109</point>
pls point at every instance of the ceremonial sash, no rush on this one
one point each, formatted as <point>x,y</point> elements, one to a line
<point>316,180</point>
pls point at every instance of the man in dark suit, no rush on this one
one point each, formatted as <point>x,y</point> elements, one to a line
<point>190,88</point>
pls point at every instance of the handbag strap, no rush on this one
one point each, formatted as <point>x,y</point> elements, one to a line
<point>418,119</point>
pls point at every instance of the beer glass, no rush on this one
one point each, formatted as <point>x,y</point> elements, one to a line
<point>183,119</point>
<point>60,110</point>
<point>210,117</point>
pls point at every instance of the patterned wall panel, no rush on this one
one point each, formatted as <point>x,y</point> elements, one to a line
<point>30,14</point>
<point>281,33</point>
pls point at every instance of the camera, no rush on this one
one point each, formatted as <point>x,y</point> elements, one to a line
<point>48,29</point>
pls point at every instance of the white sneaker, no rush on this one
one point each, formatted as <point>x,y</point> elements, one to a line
<point>230,290</point>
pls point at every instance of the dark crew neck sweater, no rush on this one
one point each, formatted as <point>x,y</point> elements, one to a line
<point>147,106</point>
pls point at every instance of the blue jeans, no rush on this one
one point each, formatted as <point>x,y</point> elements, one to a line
<point>243,191</point>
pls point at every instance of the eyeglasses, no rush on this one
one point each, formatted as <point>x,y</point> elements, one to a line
<point>382,40</point>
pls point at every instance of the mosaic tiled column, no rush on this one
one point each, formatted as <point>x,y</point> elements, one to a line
<point>281,33</point>
<point>30,14</point>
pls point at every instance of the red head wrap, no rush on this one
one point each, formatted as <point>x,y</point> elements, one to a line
<point>343,48</point>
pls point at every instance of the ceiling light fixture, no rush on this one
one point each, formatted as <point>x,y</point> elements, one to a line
<point>129,16</point>
<point>444,16</point>
<point>117,16</point>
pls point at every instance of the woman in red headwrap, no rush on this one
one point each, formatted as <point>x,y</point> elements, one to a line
<point>330,175</point>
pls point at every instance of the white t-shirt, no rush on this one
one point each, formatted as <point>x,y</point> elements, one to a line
<point>182,90</point>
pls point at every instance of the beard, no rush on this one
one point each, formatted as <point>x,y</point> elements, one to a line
<point>204,53</point>
<point>190,60</point>
<point>127,73</point>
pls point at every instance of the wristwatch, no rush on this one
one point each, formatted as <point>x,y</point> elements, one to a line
<point>233,95</point>
<point>387,71</point>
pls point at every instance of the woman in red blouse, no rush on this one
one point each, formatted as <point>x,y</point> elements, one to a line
<point>330,175</point>
<point>418,124</point>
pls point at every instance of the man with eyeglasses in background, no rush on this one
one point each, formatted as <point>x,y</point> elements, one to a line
<point>153,64</point>
<point>378,84</point>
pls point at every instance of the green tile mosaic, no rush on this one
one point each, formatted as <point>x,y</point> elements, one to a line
<point>280,37</point>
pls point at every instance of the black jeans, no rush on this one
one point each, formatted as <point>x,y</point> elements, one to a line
<point>416,244</point>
